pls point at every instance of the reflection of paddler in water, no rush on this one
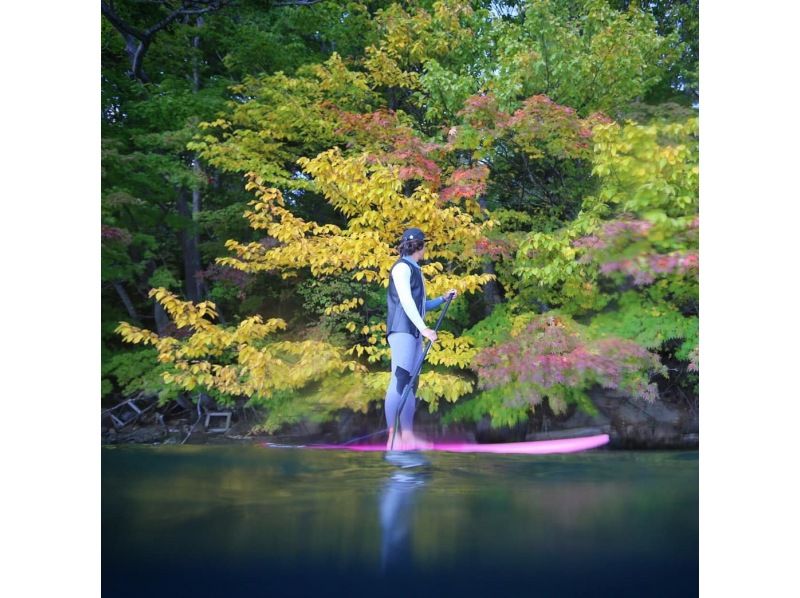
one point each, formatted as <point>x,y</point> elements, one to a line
<point>407,304</point>
<point>396,510</point>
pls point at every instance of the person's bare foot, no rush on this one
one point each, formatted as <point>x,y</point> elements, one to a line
<point>395,442</point>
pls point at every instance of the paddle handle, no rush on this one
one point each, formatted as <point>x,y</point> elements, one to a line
<point>417,368</point>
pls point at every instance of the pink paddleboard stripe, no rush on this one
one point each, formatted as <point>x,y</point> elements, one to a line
<point>537,447</point>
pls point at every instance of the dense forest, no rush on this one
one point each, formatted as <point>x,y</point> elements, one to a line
<point>261,159</point>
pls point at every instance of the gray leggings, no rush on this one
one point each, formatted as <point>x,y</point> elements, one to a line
<point>406,351</point>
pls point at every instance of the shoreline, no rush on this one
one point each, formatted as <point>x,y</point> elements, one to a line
<point>631,424</point>
<point>155,435</point>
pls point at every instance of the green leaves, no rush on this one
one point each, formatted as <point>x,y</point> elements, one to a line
<point>649,321</point>
<point>585,55</point>
<point>443,92</point>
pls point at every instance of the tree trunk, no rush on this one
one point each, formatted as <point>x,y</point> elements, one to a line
<point>126,300</point>
<point>137,60</point>
<point>191,251</point>
<point>492,294</point>
<point>196,57</point>
<point>202,290</point>
<point>161,317</point>
<point>189,236</point>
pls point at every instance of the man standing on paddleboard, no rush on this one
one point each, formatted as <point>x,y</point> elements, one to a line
<point>405,327</point>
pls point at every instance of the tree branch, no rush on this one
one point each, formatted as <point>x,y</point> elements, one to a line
<point>163,23</point>
<point>132,35</point>
<point>120,25</point>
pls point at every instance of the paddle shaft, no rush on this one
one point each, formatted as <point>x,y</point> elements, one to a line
<point>410,385</point>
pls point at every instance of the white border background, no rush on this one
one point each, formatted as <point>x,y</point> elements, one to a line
<point>750,233</point>
<point>749,301</point>
<point>51,298</point>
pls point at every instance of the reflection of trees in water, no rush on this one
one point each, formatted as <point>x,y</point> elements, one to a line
<point>295,505</point>
<point>575,506</point>
<point>396,509</point>
<point>306,506</point>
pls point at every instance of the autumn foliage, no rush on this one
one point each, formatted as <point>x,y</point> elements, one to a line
<point>570,232</point>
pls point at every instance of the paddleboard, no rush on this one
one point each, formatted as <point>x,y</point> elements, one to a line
<point>535,447</point>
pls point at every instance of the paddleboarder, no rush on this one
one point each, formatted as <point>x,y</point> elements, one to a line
<point>405,329</point>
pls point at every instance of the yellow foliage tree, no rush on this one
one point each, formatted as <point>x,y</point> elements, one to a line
<point>313,378</point>
<point>369,194</point>
<point>241,361</point>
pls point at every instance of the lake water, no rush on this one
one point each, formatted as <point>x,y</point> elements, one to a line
<point>196,521</point>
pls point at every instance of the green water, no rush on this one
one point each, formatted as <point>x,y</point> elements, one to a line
<point>217,521</point>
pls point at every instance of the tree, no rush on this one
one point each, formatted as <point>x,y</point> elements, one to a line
<point>369,195</point>
<point>584,54</point>
<point>679,20</point>
<point>552,358</point>
<point>231,362</point>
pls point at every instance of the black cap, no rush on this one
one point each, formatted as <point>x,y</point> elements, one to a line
<point>413,234</point>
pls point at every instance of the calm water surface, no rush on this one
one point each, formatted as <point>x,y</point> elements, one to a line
<point>247,520</point>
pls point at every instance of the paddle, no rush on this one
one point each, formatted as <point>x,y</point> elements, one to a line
<point>414,375</point>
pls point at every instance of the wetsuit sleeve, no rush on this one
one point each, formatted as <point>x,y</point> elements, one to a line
<point>433,303</point>
<point>401,275</point>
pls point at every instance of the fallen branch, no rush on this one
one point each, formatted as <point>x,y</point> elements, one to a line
<point>199,416</point>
